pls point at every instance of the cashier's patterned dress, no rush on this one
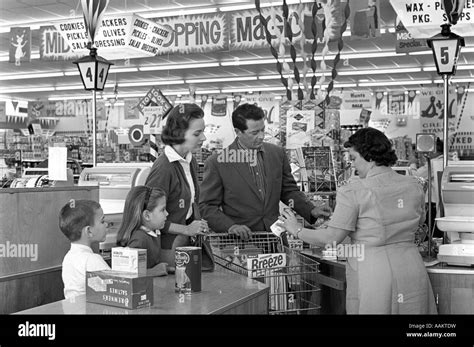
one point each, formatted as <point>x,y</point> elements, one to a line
<point>383,212</point>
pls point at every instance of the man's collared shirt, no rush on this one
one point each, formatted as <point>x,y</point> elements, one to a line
<point>173,156</point>
<point>258,170</point>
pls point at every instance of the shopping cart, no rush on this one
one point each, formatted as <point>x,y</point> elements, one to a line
<point>293,285</point>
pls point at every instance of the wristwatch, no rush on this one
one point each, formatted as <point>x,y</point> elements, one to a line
<point>298,232</point>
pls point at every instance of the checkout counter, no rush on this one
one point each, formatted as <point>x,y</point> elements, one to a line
<point>114,182</point>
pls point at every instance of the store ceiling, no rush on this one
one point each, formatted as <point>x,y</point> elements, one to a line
<point>356,69</point>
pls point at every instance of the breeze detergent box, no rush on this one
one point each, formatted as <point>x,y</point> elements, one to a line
<point>127,259</point>
<point>120,289</point>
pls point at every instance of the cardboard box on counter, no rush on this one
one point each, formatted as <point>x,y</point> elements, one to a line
<point>127,259</point>
<point>120,289</point>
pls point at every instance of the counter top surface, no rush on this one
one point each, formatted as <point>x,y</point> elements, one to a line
<point>436,268</point>
<point>221,290</point>
<point>47,189</point>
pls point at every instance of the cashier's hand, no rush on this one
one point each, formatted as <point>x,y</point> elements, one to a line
<point>321,211</point>
<point>289,222</point>
<point>198,227</point>
<point>241,231</point>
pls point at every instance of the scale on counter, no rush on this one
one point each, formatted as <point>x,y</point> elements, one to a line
<point>457,193</point>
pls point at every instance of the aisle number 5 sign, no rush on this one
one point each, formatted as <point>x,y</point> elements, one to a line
<point>446,55</point>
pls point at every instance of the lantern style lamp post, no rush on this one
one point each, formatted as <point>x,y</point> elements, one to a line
<point>446,47</point>
<point>94,71</point>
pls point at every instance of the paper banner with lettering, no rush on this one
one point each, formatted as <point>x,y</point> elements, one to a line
<point>155,97</point>
<point>219,106</point>
<point>195,33</point>
<point>53,46</point>
<point>405,41</point>
<point>423,19</point>
<point>20,45</point>
<point>463,140</point>
<point>246,31</point>
<point>271,108</point>
<point>153,119</point>
<point>432,108</point>
<point>364,18</point>
<point>356,100</point>
<point>119,37</point>
<point>396,104</point>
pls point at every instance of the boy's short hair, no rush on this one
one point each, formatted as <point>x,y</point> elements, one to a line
<point>76,215</point>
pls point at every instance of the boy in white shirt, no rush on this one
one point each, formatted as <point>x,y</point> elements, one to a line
<point>82,221</point>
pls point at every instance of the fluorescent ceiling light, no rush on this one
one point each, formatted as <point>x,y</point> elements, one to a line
<point>429,68</point>
<point>222,79</point>
<point>421,53</point>
<point>150,83</point>
<point>123,69</point>
<point>178,12</point>
<point>393,83</point>
<point>469,49</point>
<point>27,90</point>
<point>71,73</point>
<point>70,87</point>
<point>370,55</point>
<point>178,66</point>
<point>378,71</point>
<point>71,97</point>
<point>308,75</point>
<point>456,80</point>
<point>31,75</point>
<point>210,91</point>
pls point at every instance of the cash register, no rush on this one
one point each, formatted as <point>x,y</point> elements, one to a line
<point>457,194</point>
<point>114,181</point>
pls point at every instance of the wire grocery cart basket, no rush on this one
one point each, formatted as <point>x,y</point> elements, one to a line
<point>291,276</point>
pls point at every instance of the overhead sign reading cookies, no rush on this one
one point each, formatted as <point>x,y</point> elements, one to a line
<point>118,37</point>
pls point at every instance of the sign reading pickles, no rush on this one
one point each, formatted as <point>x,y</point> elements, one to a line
<point>118,37</point>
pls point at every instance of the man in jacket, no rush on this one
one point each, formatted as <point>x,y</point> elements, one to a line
<point>244,183</point>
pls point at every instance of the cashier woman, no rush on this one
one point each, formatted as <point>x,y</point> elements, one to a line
<point>175,172</point>
<point>381,213</point>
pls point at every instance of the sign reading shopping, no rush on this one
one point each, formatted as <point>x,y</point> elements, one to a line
<point>118,37</point>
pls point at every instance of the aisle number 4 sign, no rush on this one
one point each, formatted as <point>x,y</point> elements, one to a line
<point>153,116</point>
<point>92,74</point>
<point>445,52</point>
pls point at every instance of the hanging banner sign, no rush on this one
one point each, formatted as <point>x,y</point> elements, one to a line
<point>66,108</point>
<point>423,19</point>
<point>53,46</point>
<point>432,110</point>
<point>247,32</point>
<point>405,41</point>
<point>356,100</point>
<point>396,104</point>
<point>20,45</point>
<point>118,37</point>
<point>364,19</point>
<point>195,34</point>
<point>3,112</point>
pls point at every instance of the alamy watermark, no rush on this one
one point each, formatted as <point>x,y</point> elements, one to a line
<point>19,250</point>
<point>231,155</point>
<point>348,250</point>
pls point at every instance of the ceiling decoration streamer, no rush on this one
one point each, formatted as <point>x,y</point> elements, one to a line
<point>268,37</point>
<point>314,46</point>
<point>93,11</point>
<point>337,58</point>
<point>328,8</point>
<point>304,55</point>
<point>289,34</point>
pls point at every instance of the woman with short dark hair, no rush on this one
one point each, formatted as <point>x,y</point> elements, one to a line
<point>380,213</point>
<point>175,172</point>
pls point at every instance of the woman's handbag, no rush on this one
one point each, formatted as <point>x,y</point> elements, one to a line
<point>208,262</point>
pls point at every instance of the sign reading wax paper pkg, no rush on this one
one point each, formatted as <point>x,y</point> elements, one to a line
<point>118,37</point>
<point>195,34</point>
<point>423,19</point>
